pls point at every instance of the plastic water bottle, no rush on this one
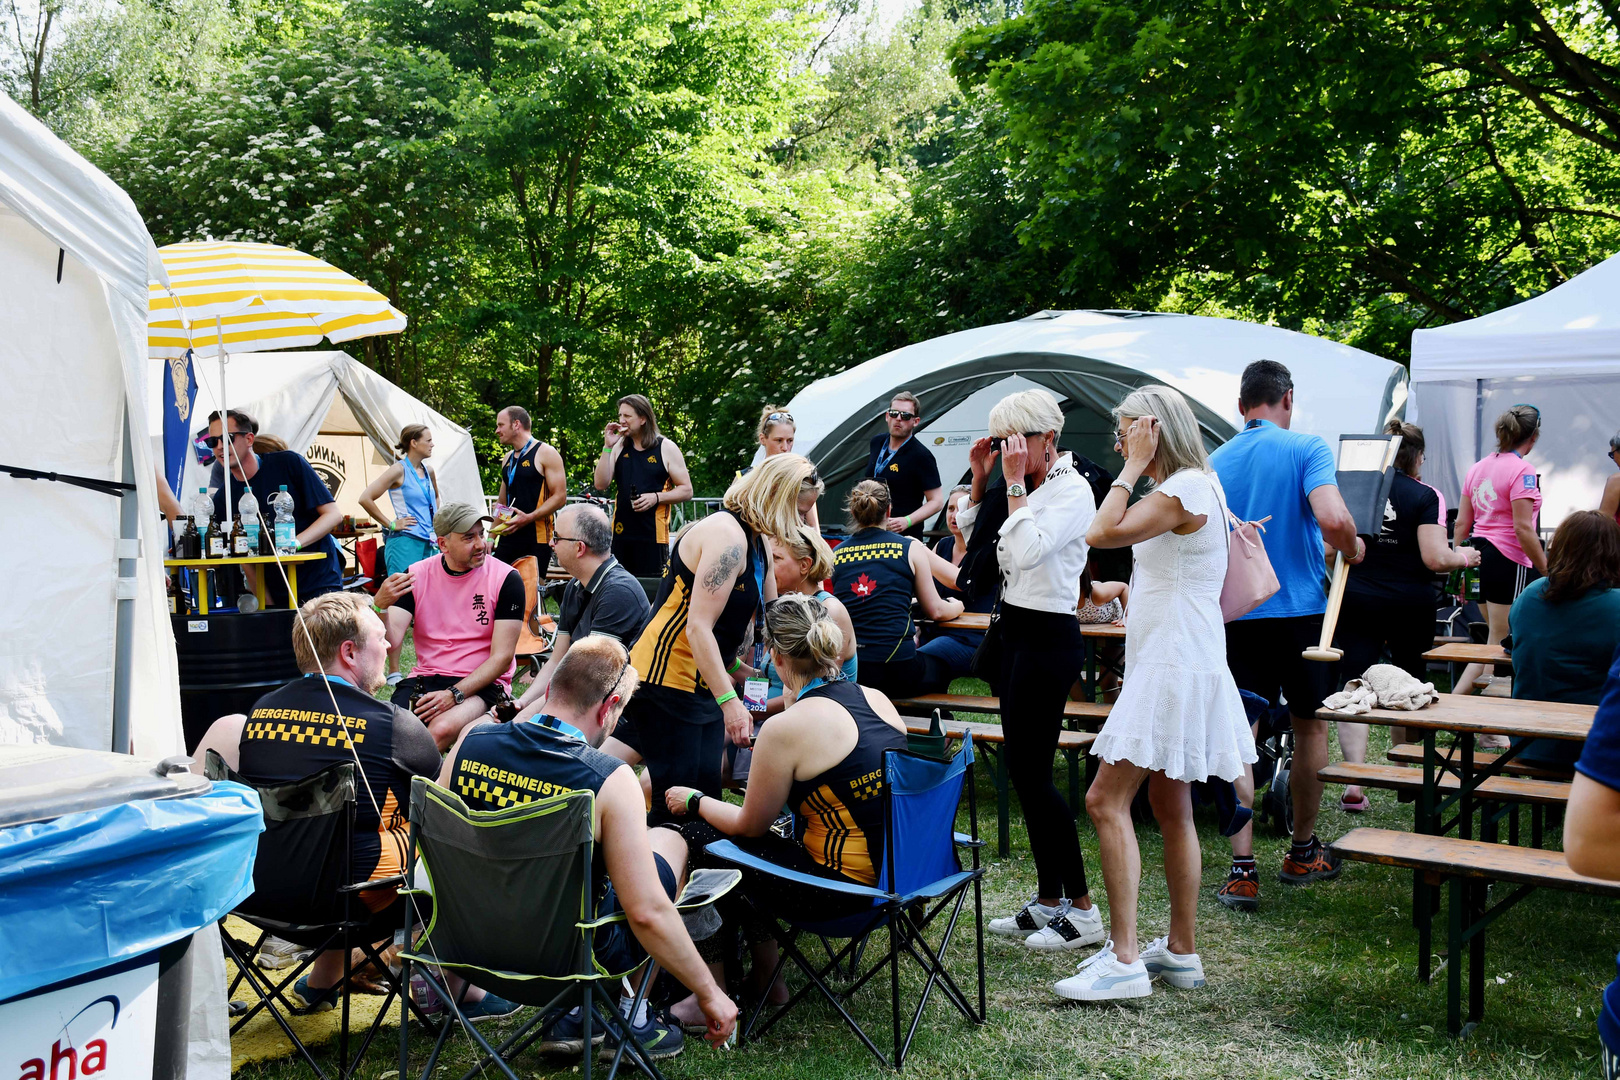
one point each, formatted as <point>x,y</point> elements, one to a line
<point>247,508</point>
<point>213,538</point>
<point>281,504</point>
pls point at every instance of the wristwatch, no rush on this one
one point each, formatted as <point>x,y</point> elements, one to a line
<point>1016,491</point>
<point>455,692</point>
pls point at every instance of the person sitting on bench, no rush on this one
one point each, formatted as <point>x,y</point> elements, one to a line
<point>638,870</point>
<point>1592,833</point>
<point>467,609</point>
<point>305,726</point>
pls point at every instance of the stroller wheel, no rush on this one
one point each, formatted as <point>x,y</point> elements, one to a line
<point>1280,801</point>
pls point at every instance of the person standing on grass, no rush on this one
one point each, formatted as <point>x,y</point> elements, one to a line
<point>1041,551</point>
<point>533,486</point>
<point>1179,719</point>
<point>650,473</point>
<point>1389,600</point>
<point>1501,500</point>
<point>1266,470</point>
<point>897,459</point>
<point>413,495</point>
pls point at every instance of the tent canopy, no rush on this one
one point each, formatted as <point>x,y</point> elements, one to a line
<point>1560,352</point>
<point>86,654</point>
<point>1089,360</point>
<point>320,403</point>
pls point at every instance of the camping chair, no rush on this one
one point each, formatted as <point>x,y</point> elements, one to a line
<point>301,892</point>
<point>539,629</point>
<point>512,912</point>
<point>920,878</point>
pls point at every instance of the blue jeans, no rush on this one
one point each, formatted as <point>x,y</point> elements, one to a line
<point>947,657</point>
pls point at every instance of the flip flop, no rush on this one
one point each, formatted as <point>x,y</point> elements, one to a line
<point>1354,806</point>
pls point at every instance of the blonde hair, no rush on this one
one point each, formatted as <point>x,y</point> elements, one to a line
<point>269,444</point>
<point>329,620</point>
<point>1027,410</point>
<point>767,499</point>
<point>799,627</point>
<point>1181,444</point>
<point>1516,426</point>
<point>592,670</point>
<point>868,503</point>
<point>806,543</point>
<point>766,423</point>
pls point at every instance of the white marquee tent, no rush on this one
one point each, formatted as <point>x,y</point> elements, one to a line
<point>333,409</point>
<point>1090,360</point>
<point>1559,352</point>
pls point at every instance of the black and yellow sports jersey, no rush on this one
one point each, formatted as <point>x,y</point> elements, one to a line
<point>662,653</point>
<point>641,472</point>
<point>292,733</point>
<point>872,578</point>
<point>839,813</point>
<point>526,489</point>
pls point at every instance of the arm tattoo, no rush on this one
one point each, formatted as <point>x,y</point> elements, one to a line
<point>721,573</point>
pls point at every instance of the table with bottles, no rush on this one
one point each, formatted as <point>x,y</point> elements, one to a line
<point>246,543</point>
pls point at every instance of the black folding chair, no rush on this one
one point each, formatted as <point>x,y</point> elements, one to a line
<point>512,914</point>
<point>921,877</point>
<point>302,892</point>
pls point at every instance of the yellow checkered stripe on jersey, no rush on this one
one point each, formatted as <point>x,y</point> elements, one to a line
<point>306,734</point>
<point>482,782</point>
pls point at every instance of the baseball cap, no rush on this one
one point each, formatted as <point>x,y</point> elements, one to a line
<point>458,518</point>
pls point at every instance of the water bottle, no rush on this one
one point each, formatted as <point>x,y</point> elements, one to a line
<point>281,505</point>
<point>247,509</point>
<point>213,537</point>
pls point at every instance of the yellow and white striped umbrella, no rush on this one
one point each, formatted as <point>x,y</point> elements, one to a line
<point>266,298</point>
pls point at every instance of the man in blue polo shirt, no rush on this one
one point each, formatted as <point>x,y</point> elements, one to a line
<point>1269,471</point>
<point>315,512</point>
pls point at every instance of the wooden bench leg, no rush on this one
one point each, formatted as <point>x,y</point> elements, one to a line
<point>1454,943</point>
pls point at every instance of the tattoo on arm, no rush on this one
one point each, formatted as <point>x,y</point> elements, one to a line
<point>721,573</point>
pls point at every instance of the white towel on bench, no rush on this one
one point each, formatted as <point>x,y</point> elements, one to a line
<point>1382,686</point>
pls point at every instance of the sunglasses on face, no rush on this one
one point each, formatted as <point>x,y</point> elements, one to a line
<point>998,441</point>
<point>901,414</point>
<point>213,441</point>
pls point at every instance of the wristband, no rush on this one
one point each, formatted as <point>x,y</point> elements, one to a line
<point>729,695</point>
<point>735,664</point>
<point>908,521</point>
<point>692,800</point>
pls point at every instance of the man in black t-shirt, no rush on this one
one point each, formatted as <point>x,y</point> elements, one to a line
<point>908,467</point>
<point>602,598</point>
<point>315,512</point>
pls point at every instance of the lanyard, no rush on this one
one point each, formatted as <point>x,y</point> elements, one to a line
<point>510,472</point>
<point>883,458</point>
<point>811,685</point>
<point>333,678</point>
<point>759,611</point>
<point>426,485</point>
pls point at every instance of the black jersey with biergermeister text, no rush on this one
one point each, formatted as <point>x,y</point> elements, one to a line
<point>293,732</point>
<point>872,578</point>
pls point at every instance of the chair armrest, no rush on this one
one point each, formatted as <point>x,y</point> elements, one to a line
<point>605,920</point>
<point>377,883</point>
<point>731,853</point>
<point>964,840</point>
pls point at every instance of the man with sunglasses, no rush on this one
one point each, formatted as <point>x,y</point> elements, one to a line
<point>903,463</point>
<point>315,512</point>
<point>602,598</point>
<point>636,869</point>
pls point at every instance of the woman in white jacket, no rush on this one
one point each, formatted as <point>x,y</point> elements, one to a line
<point>1041,553</point>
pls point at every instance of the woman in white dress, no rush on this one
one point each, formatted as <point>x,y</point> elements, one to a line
<point>1179,718</point>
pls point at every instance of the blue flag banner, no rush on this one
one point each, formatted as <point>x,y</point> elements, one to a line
<point>179,395</point>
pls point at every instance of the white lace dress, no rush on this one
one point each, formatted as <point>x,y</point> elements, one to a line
<point>1178,711</point>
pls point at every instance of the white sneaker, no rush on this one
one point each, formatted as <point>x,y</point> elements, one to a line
<point>276,953</point>
<point>395,678</point>
<point>1069,928</point>
<point>1181,970</point>
<point>1025,921</point>
<point>1103,978</point>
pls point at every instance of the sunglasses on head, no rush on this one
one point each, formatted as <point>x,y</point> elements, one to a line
<point>613,686</point>
<point>777,417</point>
<point>901,414</point>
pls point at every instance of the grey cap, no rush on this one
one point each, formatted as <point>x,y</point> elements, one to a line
<point>458,518</point>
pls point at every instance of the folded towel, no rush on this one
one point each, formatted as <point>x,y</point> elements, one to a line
<point>1382,686</point>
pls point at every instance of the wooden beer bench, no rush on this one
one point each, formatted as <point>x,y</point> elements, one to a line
<point>918,711</point>
<point>1468,868</point>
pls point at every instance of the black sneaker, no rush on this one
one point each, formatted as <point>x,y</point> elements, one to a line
<point>660,1036</point>
<point>562,1033</point>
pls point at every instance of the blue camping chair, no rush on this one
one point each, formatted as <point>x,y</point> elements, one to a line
<point>920,878</point>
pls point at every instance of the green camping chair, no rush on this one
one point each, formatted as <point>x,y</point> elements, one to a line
<point>511,912</point>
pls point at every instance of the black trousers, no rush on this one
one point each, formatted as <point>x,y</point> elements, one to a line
<point>1367,627</point>
<point>1042,657</point>
<point>677,752</point>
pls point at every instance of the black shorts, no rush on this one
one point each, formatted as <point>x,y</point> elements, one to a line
<point>680,737</point>
<point>493,694</point>
<point>643,558</point>
<point>615,946</point>
<point>509,549</point>
<point>1264,655</point>
<point>1501,580</point>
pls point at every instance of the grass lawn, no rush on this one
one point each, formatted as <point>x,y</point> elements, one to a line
<point>1319,983</point>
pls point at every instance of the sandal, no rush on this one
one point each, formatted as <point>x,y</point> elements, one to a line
<point>1354,806</point>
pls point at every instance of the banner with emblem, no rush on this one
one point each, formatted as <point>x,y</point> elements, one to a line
<point>179,397</point>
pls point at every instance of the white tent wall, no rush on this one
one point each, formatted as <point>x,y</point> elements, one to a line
<point>1560,352</point>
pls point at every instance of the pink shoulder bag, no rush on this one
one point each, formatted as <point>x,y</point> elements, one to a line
<point>1250,580</point>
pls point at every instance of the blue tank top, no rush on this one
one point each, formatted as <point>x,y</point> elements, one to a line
<point>847,672</point>
<point>872,578</point>
<point>415,497</point>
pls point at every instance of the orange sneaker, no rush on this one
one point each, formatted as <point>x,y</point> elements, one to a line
<point>1240,892</point>
<point>1320,865</point>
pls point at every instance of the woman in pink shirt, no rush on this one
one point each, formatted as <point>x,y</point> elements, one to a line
<point>1500,503</point>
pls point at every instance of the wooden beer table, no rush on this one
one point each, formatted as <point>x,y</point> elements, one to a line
<point>290,561</point>
<point>1094,636</point>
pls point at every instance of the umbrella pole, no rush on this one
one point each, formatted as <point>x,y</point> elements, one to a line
<point>224,419</point>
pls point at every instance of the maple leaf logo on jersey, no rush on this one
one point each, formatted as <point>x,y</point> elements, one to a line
<point>864,586</point>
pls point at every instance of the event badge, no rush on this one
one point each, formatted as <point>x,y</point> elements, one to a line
<point>755,692</point>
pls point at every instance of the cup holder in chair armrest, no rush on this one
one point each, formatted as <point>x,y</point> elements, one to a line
<point>704,887</point>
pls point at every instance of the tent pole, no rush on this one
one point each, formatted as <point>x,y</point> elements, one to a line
<point>129,531</point>
<point>1479,419</point>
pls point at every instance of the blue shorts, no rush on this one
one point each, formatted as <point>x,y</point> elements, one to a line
<point>615,946</point>
<point>400,550</point>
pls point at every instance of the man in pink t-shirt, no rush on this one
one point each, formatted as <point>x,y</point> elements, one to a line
<point>467,609</point>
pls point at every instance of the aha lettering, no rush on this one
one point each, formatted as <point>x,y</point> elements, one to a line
<point>95,1060</point>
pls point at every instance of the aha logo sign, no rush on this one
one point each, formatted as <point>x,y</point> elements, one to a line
<point>96,1030</point>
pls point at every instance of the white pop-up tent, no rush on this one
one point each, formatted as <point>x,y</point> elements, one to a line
<point>344,417</point>
<point>1089,360</point>
<point>1559,352</point>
